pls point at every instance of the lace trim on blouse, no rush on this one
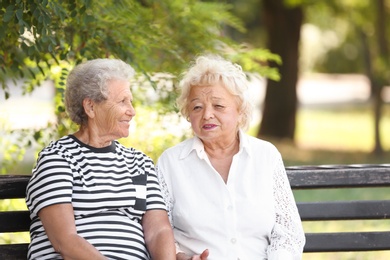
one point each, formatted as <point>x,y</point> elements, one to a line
<point>287,235</point>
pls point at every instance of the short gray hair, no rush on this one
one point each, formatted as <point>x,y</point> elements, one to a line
<point>210,69</point>
<point>90,80</point>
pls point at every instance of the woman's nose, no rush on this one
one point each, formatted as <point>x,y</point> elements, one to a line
<point>131,110</point>
<point>208,113</point>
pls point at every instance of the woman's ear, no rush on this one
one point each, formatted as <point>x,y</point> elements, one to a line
<point>88,105</point>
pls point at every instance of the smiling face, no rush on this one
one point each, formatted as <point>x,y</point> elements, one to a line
<point>113,116</point>
<point>213,113</point>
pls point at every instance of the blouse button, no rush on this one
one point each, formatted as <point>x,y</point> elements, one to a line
<point>233,240</point>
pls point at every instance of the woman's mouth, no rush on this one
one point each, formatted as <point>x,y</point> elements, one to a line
<point>209,126</point>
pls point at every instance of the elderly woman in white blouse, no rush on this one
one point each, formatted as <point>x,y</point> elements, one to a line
<point>227,193</point>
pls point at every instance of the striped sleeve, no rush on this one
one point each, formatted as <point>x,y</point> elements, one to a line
<point>154,198</point>
<point>51,183</point>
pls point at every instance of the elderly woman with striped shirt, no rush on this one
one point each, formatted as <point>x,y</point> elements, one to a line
<point>89,196</point>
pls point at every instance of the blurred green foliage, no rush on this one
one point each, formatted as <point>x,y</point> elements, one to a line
<point>43,40</point>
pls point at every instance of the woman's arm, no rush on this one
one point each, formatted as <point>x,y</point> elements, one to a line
<point>158,235</point>
<point>59,224</point>
<point>287,237</point>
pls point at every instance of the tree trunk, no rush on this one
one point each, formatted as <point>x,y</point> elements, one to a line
<point>377,107</point>
<point>283,25</point>
<point>378,85</point>
<point>374,73</point>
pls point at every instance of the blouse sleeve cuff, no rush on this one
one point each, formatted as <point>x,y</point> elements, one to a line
<point>283,255</point>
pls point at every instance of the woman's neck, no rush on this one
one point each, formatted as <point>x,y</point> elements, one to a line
<point>222,150</point>
<point>89,137</point>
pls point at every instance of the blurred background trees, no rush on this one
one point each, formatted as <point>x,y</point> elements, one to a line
<point>360,29</point>
<point>42,40</point>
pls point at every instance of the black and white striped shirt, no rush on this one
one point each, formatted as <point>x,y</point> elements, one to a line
<point>109,188</point>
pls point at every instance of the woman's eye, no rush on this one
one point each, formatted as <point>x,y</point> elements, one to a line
<point>197,107</point>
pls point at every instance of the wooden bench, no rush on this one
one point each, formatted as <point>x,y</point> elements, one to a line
<point>13,187</point>
<point>301,178</point>
<point>336,177</point>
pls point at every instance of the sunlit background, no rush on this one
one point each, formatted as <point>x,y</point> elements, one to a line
<point>335,121</point>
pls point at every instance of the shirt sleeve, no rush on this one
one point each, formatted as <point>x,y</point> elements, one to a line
<point>287,237</point>
<point>154,198</point>
<point>51,183</point>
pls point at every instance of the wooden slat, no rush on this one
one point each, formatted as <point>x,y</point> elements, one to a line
<point>344,210</point>
<point>338,177</point>
<point>344,242</point>
<point>13,252</point>
<point>14,221</point>
<point>13,186</point>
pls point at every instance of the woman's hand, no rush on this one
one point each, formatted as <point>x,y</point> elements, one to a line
<point>202,256</point>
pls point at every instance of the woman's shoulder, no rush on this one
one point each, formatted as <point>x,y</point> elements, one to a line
<point>58,146</point>
<point>186,145</point>
<point>132,152</point>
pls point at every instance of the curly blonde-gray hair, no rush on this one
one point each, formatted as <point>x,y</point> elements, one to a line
<point>208,70</point>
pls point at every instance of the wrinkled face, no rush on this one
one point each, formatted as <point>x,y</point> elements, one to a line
<point>213,113</point>
<point>113,115</point>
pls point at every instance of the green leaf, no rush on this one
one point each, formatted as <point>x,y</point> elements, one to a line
<point>73,13</point>
<point>19,14</point>
<point>36,13</point>
<point>32,73</point>
<point>21,28</point>
<point>47,20</point>
<point>37,135</point>
<point>9,14</point>
<point>83,9</point>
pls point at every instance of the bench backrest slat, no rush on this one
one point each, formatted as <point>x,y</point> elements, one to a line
<point>13,252</point>
<point>14,221</point>
<point>13,186</point>
<point>343,242</point>
<point>344,210</point>
<point>347,177</point>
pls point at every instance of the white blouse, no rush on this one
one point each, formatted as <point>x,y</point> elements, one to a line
<point>252,216</point>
